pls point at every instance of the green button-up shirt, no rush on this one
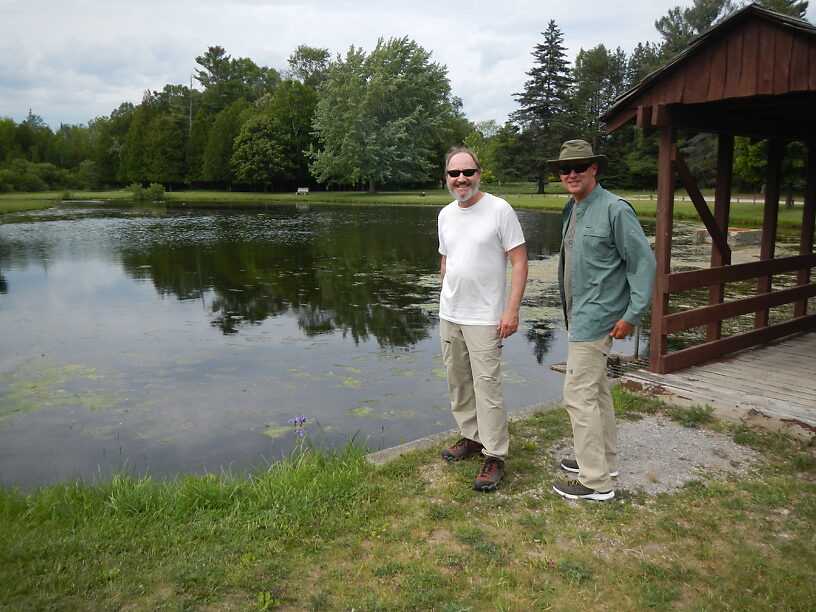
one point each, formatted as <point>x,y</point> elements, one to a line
<point>612,266</point>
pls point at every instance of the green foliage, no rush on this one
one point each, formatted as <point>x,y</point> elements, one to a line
<point>380,116</point>
<point>153,193</point>
<point>693,416</point>
<point>793,8</point>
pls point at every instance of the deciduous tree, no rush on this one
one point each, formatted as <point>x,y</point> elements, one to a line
<point>379,117</point>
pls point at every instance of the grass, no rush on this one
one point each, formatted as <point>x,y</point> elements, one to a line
<point>328,531</point>
<point>520,195</point>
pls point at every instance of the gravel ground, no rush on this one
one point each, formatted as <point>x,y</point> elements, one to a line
<point>658,455</point>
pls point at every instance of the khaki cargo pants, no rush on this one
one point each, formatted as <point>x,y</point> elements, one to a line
<point>472,358</point>
<point>588,400</point>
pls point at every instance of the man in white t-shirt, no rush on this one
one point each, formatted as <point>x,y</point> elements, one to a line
<point>478,234</point>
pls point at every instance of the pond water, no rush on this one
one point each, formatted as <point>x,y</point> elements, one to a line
<point>169,342</point>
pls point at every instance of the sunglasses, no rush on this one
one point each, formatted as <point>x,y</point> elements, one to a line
<point>579,168</point>
<point>456,173</point>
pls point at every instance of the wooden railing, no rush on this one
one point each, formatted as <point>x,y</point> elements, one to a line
<point>716,313</point>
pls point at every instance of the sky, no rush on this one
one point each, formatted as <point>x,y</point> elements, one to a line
<point>70,61</point>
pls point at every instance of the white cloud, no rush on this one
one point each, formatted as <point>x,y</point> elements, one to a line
<point>73,60</point>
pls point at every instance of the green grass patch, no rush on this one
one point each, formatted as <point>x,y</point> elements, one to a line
<point>520,195</point>
<point>328,531</point>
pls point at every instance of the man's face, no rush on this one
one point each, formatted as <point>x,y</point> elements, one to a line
<point>578,184</point>
<point>462,187</point>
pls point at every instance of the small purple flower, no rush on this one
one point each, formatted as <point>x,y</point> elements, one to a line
<point>299,422</point>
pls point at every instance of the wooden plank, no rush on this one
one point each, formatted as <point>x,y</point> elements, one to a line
<point>808,224</point>
<point>663,244</point>
<point>712,350</point>
<point>744,374</point>
<point>718,73</point>
<point>722,384</point>
<point>696,76</point>
<point>722,212</point>
<point>765,65</point>
<point>734,60</point>
<point>799,66</point>
<point>695,279</point>
<point>812,68</point>
<point>780,69</point>
<point>767,248</point>
<point>703,315</point>
<point>750,54</point>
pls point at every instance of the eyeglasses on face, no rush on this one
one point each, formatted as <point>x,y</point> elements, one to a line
<point>456,173</point>
<point>579,168</point>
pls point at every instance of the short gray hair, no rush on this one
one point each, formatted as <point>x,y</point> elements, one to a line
<point>456,150</point>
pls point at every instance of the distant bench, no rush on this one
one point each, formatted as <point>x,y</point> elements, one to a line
<point>303,191</point>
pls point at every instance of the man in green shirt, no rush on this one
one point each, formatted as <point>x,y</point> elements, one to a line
<point>606,273</point>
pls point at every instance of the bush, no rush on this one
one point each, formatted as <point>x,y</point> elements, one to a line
<point>137,192</point>
<point>155,192</point>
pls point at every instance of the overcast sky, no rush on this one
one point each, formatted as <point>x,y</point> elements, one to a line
<point>72,60</point>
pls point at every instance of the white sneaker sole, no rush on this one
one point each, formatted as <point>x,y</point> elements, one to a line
<point>574,471</point>
<point>596,496</point>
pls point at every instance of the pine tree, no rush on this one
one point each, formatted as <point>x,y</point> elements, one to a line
<point>787,7</point>
<point>544,102</point>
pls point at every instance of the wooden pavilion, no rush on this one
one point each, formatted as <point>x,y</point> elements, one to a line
<point>753,74</point>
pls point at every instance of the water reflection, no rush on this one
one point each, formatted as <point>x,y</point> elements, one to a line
<point>170,341</point>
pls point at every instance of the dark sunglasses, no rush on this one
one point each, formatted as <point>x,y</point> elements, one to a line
<point>456,173</point>
<point>579,168</point>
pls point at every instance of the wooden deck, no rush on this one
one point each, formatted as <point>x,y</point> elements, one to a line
<point>773,385</point>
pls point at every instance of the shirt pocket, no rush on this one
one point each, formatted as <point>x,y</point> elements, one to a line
<point>598,245</point>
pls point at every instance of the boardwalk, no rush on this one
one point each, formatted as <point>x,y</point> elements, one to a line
<point>773,385</point>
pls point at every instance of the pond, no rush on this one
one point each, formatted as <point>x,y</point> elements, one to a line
<point>171,341</point>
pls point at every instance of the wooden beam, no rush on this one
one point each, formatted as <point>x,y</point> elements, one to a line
<point>708,277</point>
<point>808,214</point>
<point>769,223</point>
<point>722,213</point>
<point>712,350</point>
<point>718,237</point>
<point>658,346</point>
<point>695,317</point>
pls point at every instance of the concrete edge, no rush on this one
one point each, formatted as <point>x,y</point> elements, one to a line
<point>387,454</point>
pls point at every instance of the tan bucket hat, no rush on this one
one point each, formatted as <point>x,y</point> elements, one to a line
<point>574,151</point>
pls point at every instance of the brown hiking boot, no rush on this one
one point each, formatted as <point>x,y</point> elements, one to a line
<point>491,474</point>
<point>463,449</point>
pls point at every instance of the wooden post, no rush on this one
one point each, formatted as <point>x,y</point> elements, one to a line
<point>722,212</point>
<point>663,244</point>
<point>768,245</point>
<point>808,214</point>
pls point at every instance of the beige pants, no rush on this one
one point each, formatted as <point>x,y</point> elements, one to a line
<point>588,399</point>
<point>472,358</point>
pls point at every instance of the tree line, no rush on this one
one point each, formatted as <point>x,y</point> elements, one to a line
<point>371,120</point>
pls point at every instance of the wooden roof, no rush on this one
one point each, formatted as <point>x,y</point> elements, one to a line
<point>753,74</point>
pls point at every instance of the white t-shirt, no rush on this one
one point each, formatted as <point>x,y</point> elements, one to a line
<point>475,241</point>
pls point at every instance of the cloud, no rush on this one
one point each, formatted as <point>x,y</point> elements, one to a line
<point>73,60</point>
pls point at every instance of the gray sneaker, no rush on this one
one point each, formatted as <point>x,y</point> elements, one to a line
<point>573,489</point>
<point>490,475</point>
<point>571,465</point>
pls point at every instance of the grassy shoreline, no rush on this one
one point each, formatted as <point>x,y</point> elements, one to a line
<point>329,531</point>
<point>743,213</point>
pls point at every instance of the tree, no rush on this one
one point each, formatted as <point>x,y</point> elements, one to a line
<point>543,115</point>
<point>786,7</point>
<point>599,78</point>
<point>681,25</point>
<point>309,65</point>
<point>259,157</point>
<point>216,165</point>
<point>379,117</point>
<point>271,144</point>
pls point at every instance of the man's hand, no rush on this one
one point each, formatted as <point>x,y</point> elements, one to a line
<point>508,324</point>
<point>621,330</point>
